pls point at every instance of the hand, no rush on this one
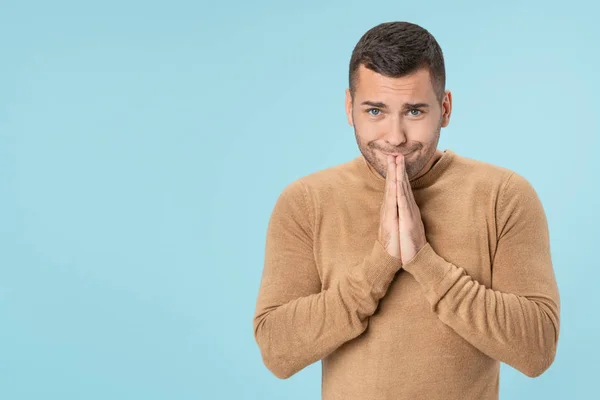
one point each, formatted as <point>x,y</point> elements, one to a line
<point>411,229</point>
<point>389,232</point>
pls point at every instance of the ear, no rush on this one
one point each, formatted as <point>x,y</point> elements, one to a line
<point>349,107</point>
<point>446,109</point>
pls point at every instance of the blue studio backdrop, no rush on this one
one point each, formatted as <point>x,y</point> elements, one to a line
<point>143,146</point>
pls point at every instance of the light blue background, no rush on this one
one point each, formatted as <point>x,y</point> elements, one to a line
<point>143,145</point>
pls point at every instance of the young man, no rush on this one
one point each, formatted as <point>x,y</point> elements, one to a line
<point>410,272</point>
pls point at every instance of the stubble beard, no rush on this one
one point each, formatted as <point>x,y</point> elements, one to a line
<point>414,164</point>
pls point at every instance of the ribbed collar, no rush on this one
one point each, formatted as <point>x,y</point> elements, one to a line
<point>430,176</point>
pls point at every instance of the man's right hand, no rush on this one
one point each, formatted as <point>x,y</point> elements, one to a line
<point>389,235</point>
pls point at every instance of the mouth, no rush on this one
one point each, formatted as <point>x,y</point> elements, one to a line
<point>395,154</point>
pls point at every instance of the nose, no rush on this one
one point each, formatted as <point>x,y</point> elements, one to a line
<point>396,134</point>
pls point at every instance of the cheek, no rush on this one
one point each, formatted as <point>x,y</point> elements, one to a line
<point>368,128</point>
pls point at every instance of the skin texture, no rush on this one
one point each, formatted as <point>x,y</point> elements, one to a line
<point>387,125</point>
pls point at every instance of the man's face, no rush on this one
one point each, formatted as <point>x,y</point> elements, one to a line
<point>384,120</point>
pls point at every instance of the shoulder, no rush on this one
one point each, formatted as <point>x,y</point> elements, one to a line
<point>514,199</point>
<point>307,191</point>
<point>327,180</point>
<point>509,184</point>
<point>502,181</point>
<point>472,169</point>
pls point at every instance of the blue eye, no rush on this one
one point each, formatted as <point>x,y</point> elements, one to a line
<point>414,109</point>
<point>373,109</point>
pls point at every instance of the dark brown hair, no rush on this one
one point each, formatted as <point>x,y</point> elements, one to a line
<point>396,49</point>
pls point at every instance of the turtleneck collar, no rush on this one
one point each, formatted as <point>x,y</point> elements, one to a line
<point>427,179</point>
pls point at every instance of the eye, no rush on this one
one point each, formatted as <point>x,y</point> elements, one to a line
<point>378,111</point>
<point>414,109</point>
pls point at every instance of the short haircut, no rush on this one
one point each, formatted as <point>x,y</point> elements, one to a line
<point>396,49</point>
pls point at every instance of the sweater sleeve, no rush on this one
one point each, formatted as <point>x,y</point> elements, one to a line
<point>516,320</point>
<point>296,323</point>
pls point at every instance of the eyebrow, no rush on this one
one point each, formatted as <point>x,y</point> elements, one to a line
<point>405,106</point>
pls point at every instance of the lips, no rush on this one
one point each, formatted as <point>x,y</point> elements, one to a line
<point>396,154</point>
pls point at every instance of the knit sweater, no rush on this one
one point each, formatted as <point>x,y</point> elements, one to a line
<point>481,291</point>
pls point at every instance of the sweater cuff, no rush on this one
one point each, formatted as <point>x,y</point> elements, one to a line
<point>431,272</point>
<point>380,267</point>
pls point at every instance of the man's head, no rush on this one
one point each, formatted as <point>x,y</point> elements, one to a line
<point>396,99</point>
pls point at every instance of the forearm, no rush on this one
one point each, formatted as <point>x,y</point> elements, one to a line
<point>520,330</point>
<point>304,330</point>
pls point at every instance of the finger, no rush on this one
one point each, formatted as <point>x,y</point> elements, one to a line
<point>391,185</point>
<point>410,194</point>
<point>401,186</point>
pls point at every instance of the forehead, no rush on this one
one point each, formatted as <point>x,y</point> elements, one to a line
<point>370,84</point>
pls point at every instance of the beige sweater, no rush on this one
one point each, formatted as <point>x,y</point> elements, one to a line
<point>481,291</point>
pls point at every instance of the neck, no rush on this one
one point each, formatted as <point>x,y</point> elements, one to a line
<point>435,158</point>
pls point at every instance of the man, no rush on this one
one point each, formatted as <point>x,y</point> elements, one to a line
<point>410,272</point>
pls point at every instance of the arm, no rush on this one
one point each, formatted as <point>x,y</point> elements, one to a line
<point>295,322</point>
<point>516,321</point>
